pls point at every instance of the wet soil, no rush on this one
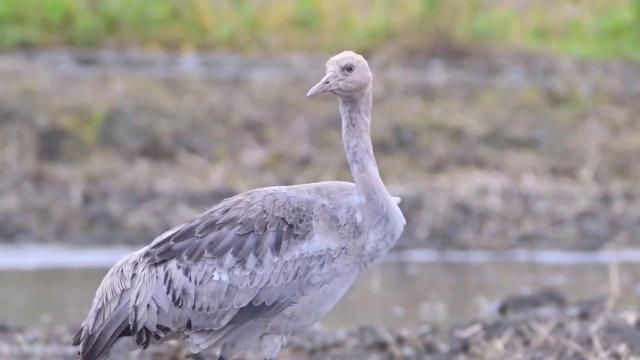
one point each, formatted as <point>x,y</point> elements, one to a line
<point>539,325</point>
<point>489,149</point>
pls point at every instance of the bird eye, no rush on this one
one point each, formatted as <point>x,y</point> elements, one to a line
<point>348,68</point>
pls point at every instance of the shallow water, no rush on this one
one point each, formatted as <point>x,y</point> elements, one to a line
<point>48,286</point>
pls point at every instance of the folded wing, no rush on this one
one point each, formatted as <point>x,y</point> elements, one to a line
<point>231,268</point>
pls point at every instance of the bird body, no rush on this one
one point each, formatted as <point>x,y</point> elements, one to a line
<point>258,266</point>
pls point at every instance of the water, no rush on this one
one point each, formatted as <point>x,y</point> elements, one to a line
<point>407,290</point>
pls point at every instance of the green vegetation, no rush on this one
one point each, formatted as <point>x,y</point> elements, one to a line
<point>594,28</point>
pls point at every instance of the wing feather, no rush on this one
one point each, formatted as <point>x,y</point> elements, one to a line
<point>240,261</point>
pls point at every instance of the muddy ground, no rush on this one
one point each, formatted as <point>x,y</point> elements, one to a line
<point>489,149</point>
<point>539,325</point>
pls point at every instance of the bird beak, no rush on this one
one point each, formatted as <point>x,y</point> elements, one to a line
<point>326,84</point>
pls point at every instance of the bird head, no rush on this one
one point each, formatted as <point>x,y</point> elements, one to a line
<point>348,75</point>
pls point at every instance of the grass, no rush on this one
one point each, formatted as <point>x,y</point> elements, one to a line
<point>593,28</point>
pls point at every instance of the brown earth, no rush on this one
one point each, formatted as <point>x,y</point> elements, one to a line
<point>540,325</point>
<point>488,149</point>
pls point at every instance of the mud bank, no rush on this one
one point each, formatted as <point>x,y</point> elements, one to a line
<point>540,325</point>
<point>488,149</point>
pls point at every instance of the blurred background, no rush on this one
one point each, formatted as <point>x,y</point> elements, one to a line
<point>511,130</point>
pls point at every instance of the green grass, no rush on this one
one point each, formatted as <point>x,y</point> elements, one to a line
<point>589,28</point>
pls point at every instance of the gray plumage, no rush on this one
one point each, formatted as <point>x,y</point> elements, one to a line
<point>258,266</point>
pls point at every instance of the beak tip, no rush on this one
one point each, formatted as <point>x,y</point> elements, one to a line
<point>312,92</point>
<point>323,86</point>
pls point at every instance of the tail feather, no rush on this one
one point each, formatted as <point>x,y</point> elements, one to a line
<point>109,316</point>
<point>77,338</point>
<point>94,345</point>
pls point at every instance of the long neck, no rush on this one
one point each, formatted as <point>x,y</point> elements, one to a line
<point>382,218</point>
<point>356,138</point>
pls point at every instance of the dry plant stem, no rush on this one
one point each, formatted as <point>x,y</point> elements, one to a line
<point>614,285</point>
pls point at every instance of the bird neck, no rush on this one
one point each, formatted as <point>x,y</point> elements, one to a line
<point>382,218</point>
<point>381,215</point>
<point>356,139</point>
<point>379,210</point>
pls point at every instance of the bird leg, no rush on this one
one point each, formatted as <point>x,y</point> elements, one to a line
<point>270,345</point>
<point>197,357</point>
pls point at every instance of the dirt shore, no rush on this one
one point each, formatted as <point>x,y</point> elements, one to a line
<point>488,149</point>
<point>541,325</point>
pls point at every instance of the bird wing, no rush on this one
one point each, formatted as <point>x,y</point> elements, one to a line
<point>241,261</point>
<point>244,259</point>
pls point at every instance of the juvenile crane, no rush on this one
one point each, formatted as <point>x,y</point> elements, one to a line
<point>258,266</point>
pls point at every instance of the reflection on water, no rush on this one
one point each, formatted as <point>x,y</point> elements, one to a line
<point>398,294</point>
<point>410,294</point>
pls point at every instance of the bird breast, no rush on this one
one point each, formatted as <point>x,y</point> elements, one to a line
<point>318,296</point>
